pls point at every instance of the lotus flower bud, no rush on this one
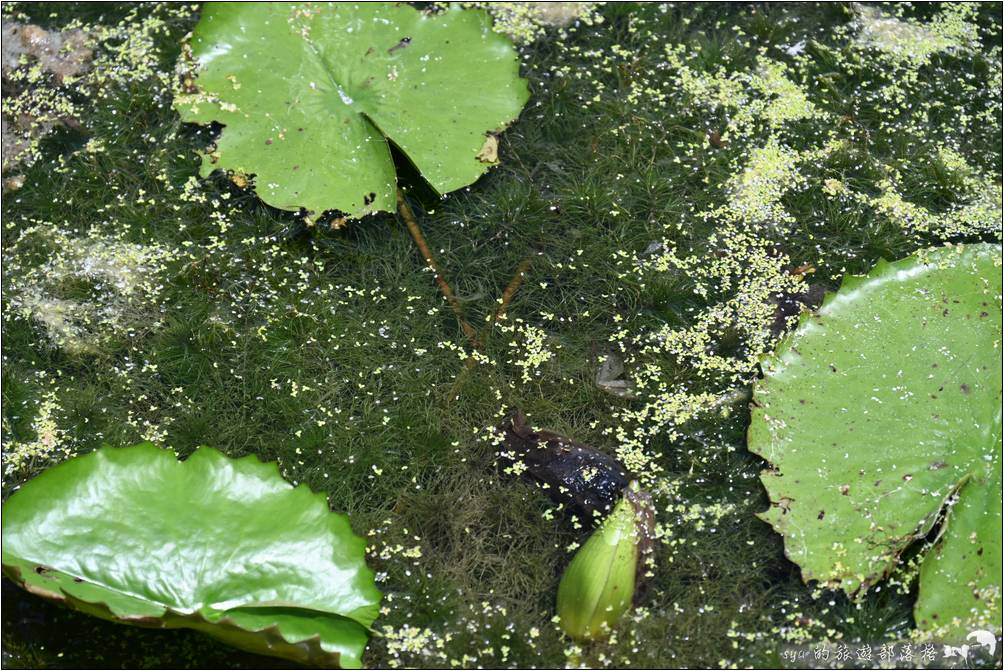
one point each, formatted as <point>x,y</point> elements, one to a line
<point>599,584</point>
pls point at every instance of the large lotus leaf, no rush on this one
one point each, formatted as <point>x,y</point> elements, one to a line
<point>881,415</point>
<point>224,546</point>
<point>310,93</point>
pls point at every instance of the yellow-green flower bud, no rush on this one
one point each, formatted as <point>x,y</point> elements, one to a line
<point>599,584</point>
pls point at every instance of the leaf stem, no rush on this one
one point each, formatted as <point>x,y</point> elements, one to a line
<point>507,295</point>
<point>408,216</point>
<point>513,287</point>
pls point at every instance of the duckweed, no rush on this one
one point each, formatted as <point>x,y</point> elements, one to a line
<point>677,169</point>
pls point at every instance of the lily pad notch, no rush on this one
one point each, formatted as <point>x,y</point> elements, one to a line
<point>881,417</point>
<point>223,546</point>
<point>311,95</point>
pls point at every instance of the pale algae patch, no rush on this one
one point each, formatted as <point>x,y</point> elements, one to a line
<point>88,290</point>
<point>905,40</point>
<point>50,76</point>
<point>977,215</point>
<point>525,22</point>
<point>756,192</point>
<point>38,67</point>
<point>764,96</point>
<point>531,347</point>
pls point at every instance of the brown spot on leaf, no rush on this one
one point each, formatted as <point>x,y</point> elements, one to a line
<point>489,152</point>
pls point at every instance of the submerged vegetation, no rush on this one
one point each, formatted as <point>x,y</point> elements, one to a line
<point>681,176</point>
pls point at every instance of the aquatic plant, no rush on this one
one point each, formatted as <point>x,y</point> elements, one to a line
<point>312,98</point>
<point>599,584</point>
<point>326,351</point>
<point>881,419</point>
<point>224,546</point>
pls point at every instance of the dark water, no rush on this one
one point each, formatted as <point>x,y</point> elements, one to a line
<point>38,634</point>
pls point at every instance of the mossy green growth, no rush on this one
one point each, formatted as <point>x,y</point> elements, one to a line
<point>327,352</point>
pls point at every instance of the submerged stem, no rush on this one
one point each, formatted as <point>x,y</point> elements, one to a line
<point>408,216</point>
<point>507,295</point>
<point>513,287</point>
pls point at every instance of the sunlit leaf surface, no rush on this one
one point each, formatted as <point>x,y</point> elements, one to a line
<point>215,544</point>
<point>311,96</point>
<point>881,417</point>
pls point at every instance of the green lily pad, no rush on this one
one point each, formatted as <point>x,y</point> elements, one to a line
<point>310,94</point>
<point>224,546</point>
<point>881,416</point>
